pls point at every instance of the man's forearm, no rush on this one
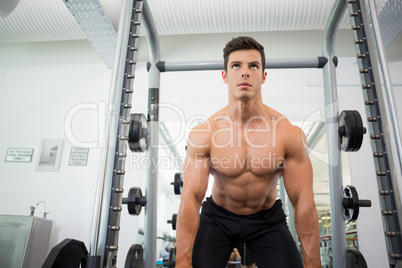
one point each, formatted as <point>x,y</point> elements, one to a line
<point>309,234</point>
<point>311,250</point>
<point>188,220</point>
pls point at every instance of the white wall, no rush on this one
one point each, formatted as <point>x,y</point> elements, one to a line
<point>59,90</point>
<point>40,83</point>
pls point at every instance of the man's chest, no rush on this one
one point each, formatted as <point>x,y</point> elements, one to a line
<point>260,160</point>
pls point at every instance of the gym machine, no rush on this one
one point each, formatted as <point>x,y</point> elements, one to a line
<point>380,111</point>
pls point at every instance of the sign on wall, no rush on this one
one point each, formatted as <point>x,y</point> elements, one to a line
<point>19,155</point>
<point>78,156</point>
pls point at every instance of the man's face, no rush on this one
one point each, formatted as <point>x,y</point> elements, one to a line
<point>244,74</point>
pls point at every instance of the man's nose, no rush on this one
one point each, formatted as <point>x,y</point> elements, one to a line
<point>245,75</point>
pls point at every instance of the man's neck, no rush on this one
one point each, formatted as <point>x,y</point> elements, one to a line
<point>240,111</point>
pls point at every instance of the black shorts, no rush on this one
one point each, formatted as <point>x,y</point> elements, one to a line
<point>265,234</point>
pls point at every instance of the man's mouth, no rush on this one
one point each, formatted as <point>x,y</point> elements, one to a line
<point>244,85</point>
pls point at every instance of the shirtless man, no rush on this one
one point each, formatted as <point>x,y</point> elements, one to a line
<point>247,147</point>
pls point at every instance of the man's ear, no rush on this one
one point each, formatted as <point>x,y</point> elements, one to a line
<point>225,76</point>
<point>264,78</point>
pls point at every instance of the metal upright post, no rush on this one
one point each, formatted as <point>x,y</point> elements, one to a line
<point>394,134</point>
<point>382,122</point>
<point>151,188</point>
<point>101,212</point>
<point>123,97</point>
<point>333,141</point>
<point>387,81</point>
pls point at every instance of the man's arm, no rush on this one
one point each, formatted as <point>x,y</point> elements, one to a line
<point>196,174</point>
<point>298,180</point>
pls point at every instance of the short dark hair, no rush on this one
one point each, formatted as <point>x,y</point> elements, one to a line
<point>240,43</point>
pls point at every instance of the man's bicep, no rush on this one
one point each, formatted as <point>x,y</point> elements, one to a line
<point>298,177</point>
<point>298,173</point>
<point>196,175</point>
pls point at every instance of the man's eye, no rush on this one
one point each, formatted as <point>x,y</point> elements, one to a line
<point>235,66</point>
<point>254,66</point>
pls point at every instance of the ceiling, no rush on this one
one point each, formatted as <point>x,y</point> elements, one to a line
<point>175,20</point>
<point>50,20</point>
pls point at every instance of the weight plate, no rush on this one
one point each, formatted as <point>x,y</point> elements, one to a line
<point>134,257</point>
<point>355,259</point>
<point>352,126</point>
<point>137,141</point>
<point>351,130</point>
<point>68,253</point>
<point>172,258</point>
<point>350,203</point>
<point>344,134</point>
<point>345,119</point>
<point>174,220</point>
<point>134,195</point>
<point>178,183</point>
<point>359,131</point>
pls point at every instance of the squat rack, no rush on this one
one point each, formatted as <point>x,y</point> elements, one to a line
<point>382,121</point>
<point>107,217</point>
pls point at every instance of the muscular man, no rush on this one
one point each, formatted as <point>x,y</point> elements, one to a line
<point>247,147</point>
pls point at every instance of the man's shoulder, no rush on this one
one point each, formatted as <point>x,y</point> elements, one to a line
<point>218,115</point>
<point>285,128</point>
<point>278,119</point>
<point>199,137</point>
<point>213,122</point>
